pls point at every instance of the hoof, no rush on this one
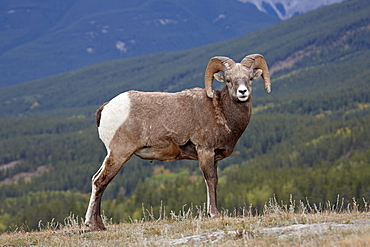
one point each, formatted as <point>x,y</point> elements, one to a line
<point>214,214</point>
<point>96,227</point>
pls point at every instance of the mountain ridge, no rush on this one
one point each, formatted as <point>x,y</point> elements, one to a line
<point>66,35</point>
<point>286,9</point>
<point>41,39</point>
<point>346,35</point>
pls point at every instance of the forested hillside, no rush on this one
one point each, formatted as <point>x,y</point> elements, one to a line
<point>309,138</point>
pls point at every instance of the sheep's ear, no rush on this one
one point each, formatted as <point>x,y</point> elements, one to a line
<point>256,74</point>
<point>219,77</point>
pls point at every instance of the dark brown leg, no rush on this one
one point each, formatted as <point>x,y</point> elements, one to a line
<point>209,169</point>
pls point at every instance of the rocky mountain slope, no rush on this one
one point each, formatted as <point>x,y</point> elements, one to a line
<point>285,9</point>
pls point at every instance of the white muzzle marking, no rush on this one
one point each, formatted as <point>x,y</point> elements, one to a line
<point>242,93</point>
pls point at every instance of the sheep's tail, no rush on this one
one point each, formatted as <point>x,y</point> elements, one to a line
<point>98,114</point>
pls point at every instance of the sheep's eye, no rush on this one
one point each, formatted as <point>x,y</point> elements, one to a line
<point>228,80</point>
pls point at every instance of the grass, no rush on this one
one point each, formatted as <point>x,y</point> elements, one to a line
<point>279,224</point>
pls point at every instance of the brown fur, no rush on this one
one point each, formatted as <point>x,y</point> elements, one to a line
<point>98,114</point>
<point>172,126</point>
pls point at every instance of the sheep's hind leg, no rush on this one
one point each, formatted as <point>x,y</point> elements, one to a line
<point>209,168</point>
<point>100,181</point>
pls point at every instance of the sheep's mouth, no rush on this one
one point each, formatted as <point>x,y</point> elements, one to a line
<point>242,98</point>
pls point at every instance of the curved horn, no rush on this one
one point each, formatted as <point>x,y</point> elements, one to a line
<point>257,61</point>
<point>215,65</point>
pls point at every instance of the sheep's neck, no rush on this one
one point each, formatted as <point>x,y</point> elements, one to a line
<point>237,114</point>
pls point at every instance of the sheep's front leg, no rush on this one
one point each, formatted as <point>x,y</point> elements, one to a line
<point>209,168</point>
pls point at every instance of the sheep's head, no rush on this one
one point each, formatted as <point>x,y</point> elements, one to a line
<point>237,76</point>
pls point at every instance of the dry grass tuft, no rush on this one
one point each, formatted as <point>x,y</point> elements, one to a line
<point>278,225</point>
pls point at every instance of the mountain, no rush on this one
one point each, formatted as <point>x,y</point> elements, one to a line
<point>296,43</point>
<point>285,9</point>
<point>307,140</point>
<point>39,39</point>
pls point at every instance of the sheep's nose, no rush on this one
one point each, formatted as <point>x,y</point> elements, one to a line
<point>243,91</point>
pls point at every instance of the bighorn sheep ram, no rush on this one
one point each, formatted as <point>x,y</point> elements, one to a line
<point>197,124</point>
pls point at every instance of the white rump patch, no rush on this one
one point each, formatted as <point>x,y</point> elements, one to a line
<point>113,116</point>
